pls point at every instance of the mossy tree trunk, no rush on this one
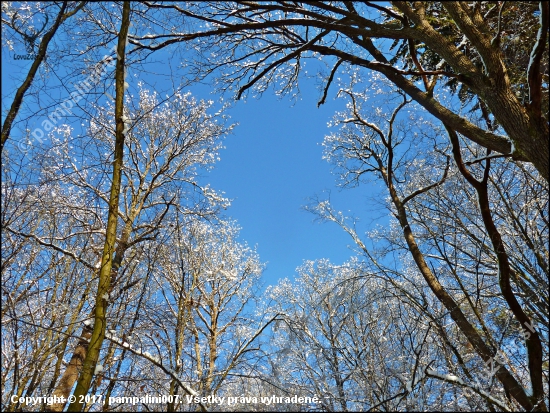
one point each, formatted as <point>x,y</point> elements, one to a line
<point>107,262</point>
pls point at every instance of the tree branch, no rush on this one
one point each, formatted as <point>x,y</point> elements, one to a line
<point>427,188</point>
<point>54,247</point>
<point>533,70</point>
<point>40,56</point>
<point>457,381</point>
<point>329,81</point>
<point>280,61</point>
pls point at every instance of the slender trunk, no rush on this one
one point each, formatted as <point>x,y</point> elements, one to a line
<point>336,366</point>
<point>113,380</point>
<point>40,56</point>
<point>509,382</point>
<point>98,334</point>
<point>532,339</point>
<point>212,356</point>
<point>70,375</point>
<point>183,312</point>
<point>198,357</point>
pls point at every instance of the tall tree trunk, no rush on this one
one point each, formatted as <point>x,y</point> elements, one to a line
<point>184,313</point>
<point>70,375</point>
<point>509,382</point>
<point>65,384</point>
<point>107,264</point>
<point>532,339</point>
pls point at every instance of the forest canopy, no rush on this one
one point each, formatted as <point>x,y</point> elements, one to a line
<point>126,285</point>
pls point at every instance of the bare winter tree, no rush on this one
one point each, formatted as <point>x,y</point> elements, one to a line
<point>452,238</point>
<point>166,144</point>
<point>120,275</point>
<point>339,338</point>
<point>23,24</point>
<point>200,327</point>
<point>473,49</point>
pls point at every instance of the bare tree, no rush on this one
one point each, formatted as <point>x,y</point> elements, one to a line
<point>365,146</point>
<point>262,44</point>
<point>166,146</point>
<point>21,23</point>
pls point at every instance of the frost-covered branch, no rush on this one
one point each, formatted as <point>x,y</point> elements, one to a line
<point>157,362</point>
<point>53,246</point>
<point>452,379</point>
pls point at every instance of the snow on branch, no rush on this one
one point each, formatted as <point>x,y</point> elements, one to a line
<point>451,378</point>
<point>157,362</point>
<point>53,246</point>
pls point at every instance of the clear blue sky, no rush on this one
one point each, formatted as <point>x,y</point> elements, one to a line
<point>271,165</point>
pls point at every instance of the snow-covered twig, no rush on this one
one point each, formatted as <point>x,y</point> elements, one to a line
<point>484,158</point>
<point>451,378</point>
<point>157,363</point>
<point>53,246</point>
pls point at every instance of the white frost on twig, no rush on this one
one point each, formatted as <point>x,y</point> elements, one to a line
<point>451,378</point>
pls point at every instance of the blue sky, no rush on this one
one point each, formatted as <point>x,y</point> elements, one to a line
<point>271,165</point>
